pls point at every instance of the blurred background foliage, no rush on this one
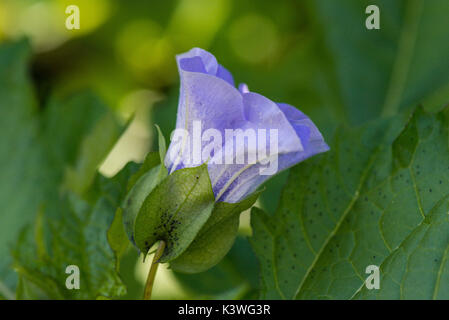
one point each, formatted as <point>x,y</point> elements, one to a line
<point>315,55</point>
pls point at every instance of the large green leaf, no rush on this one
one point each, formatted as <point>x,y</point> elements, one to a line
<point>74,232</point>
<point>369,201</point>
<point>381,71</point>
<point>418,267</point>
<point>20,153</point>
<point>40,146</point>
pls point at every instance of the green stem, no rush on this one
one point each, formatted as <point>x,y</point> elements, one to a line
<point>153,269</point>
<point>404,57</point>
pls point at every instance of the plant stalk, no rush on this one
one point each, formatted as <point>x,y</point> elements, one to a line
<point>153,269</point>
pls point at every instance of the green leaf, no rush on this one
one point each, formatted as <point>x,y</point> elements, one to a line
<point>215,238</point>
<point>417,268</point>
<point>5,292</point>
<point>38,144</point>
<point>363,203</point>
<point>151,160</point>
<point>162,145</point>
<point>385,70</point>
<point>236,274</point>
<point>140,185</point>
<point>93,150</point>
<point>175,211</point>
<point>117,237</point>
<point>75,232</point>
<point>136,197</point>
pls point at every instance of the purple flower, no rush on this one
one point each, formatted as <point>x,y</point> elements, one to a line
<point>244,137</point>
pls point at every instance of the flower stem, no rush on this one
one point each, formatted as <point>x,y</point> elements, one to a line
<point>153,269</point>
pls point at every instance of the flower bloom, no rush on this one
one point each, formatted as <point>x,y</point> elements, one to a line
<point>244,137</point>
